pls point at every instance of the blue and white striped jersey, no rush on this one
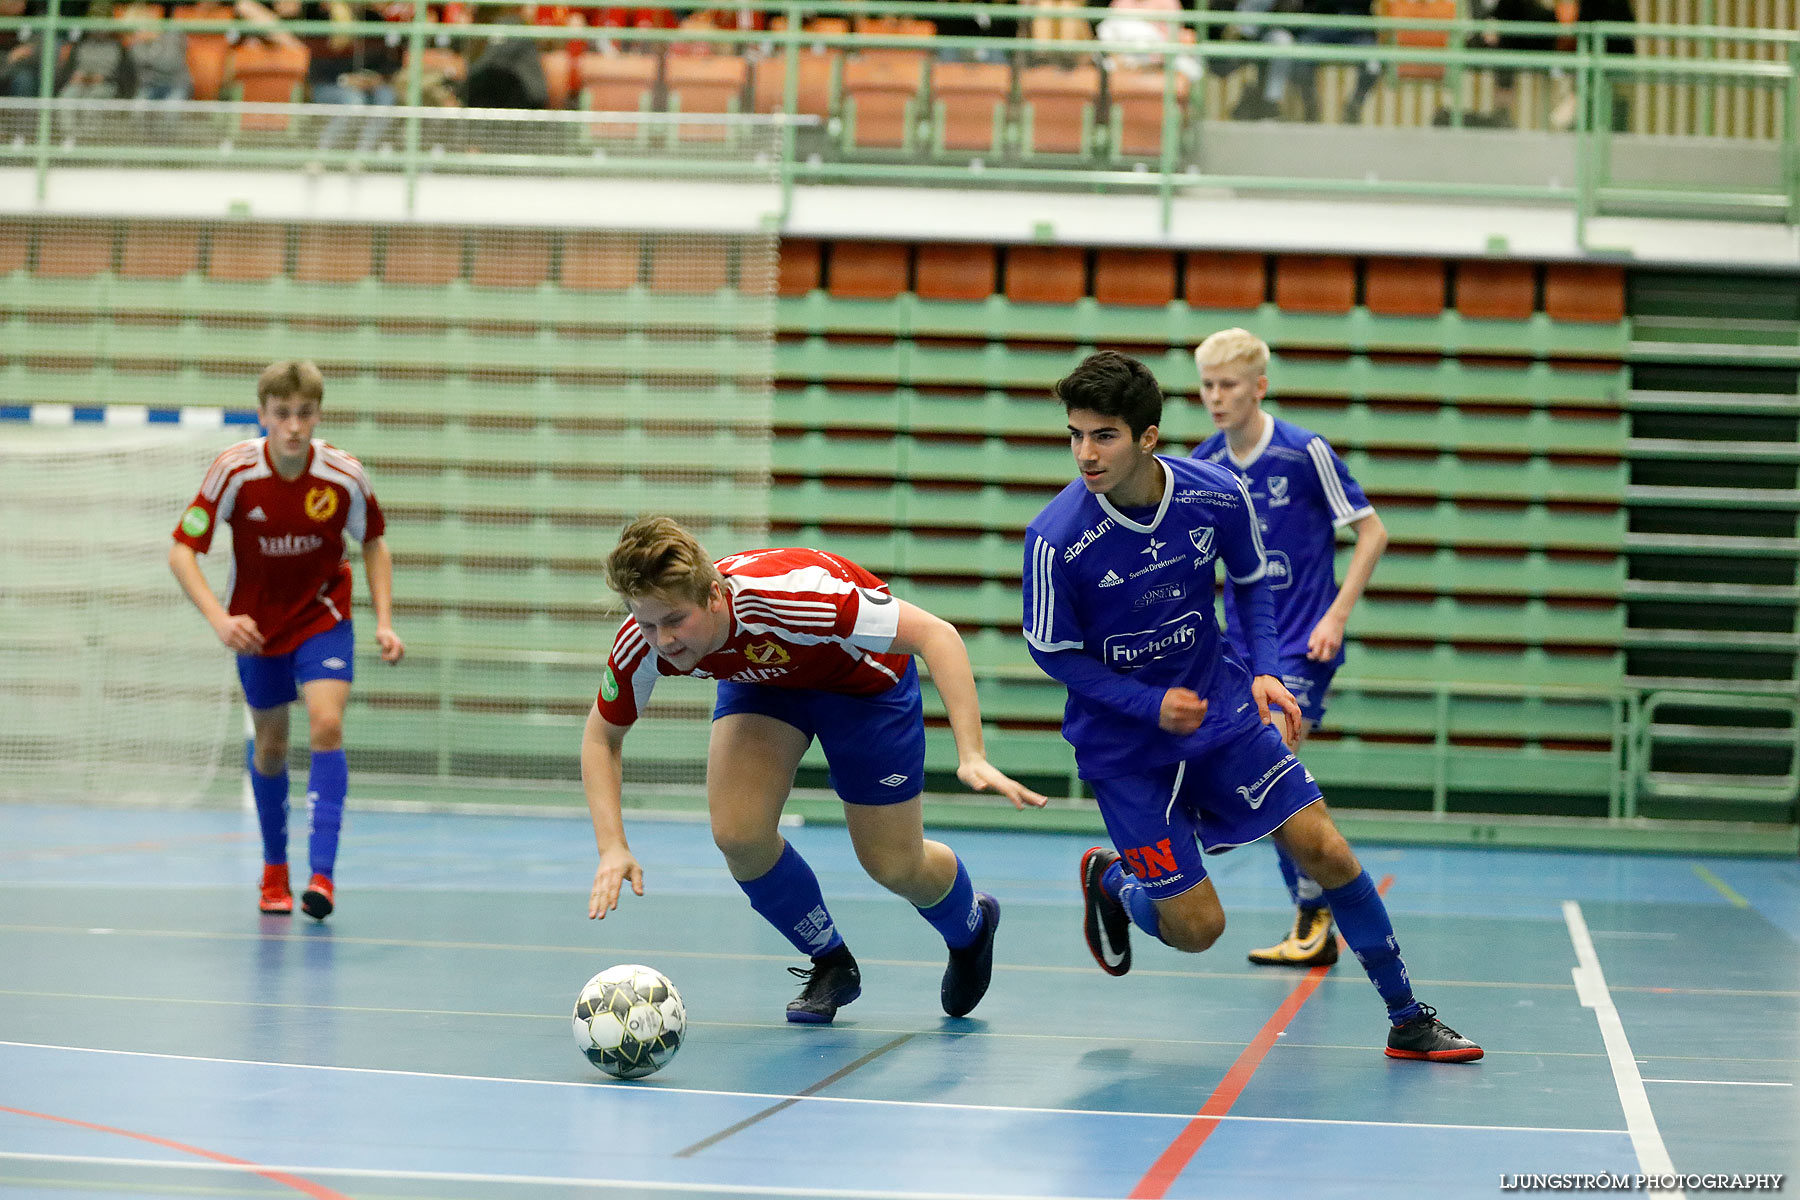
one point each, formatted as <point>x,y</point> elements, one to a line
<point>1134,591</point>
<point>1303,494</point>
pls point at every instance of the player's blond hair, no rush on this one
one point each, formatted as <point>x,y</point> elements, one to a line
<point>1233,345</point>
<point>290,379</point>
<point>657,555</point>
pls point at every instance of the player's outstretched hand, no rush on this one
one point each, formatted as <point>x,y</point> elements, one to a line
<point>1182,711</point>
<point>1270,691</point>
<point>982,776</point>
<point>240,634</point>
<point>392,648</point>
<point>616,866</point>
<point>1326,637</point>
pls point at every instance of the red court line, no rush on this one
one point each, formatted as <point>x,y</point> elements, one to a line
<point>1173,1161</point>
<point>306,1186</point>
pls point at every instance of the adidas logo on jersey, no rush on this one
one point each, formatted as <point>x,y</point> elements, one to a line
<point>1111,579</point>
<point>255,514</point>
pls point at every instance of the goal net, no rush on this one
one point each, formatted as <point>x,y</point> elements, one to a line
<point>112,689</point>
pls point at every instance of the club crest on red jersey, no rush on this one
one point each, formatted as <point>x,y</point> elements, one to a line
<point>321,503</point>
<point>768,654</point>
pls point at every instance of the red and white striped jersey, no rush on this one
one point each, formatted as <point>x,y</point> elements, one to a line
<point>799,619</point>
<point>288,568</point>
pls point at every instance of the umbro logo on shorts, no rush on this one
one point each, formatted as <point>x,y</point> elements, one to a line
<point>333,663</point>
<point>893,781</point>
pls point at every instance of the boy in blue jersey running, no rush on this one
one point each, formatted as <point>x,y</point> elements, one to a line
<point>1303,494</point>
<point>1170,728</point>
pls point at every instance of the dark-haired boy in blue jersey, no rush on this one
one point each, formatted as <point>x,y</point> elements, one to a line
<point>1303,494</point>
<point>1169,728</point>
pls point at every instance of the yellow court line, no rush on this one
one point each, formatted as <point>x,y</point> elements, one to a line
<point>1724,889</point>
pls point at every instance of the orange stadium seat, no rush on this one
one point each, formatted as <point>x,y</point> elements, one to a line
<point>1404,287</point>
<point>879,89</point>
<point>334,254</point>
<point>1319,283</point>
<point>1137,99</point>
<point>686,265</point>
<point>266,73</point>
<point>801,265</point>
<point>954,271</point>
<point>1136,277</point>
<point>206,52</point>
<point>1061,105</point>
<point>600,262</point>
<point>814,83</point>
<point>971,98</point>
<point>1046,274</point>
<point>510,258</point>
<point>1502,291</point>
<point>1584,292</point>
<point>712,83</point>
<point>159,251</point>
<point>868,270</point>
<point>247,253</point>
<point>1226,279</point>
<point>617,83</point>
<point>15,246</point>
<point>757,268</point>
<point>426,257</point>
<point>1420,39</point>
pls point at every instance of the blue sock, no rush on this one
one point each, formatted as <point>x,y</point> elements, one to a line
<point>1363,920</point>
<point>787,895</point>
<point>271,794</point>
<point>1304,891</point>
<point>956,916</point>
<point>326,787</point>
<point>1125,888</point>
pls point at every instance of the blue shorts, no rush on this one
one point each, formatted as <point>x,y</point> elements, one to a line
<point>1309,681</point>
<point>1228,796</point>
<point>272,681</point>
<point>874,745</point>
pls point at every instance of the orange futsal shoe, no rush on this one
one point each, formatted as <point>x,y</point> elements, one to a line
<point>317,898</point>
<point>276,898</point>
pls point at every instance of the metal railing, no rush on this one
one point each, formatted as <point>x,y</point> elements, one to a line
<point>1708,165</point>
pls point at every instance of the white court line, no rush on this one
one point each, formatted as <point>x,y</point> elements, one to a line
<point>563,1181</point>
<point>1721,1082</point>
<point>1590,986</point>
<point>774,1096</point>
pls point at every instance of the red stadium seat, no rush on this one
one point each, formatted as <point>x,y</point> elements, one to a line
<point>158,251</point>
<point>800,268</point>
<point>206,52</point>
<point>1584,292</point>
<point>268,73</point>
<point>600,262</point>
<point>1404,287</point>
<point>1135,277</point>
<point>1501,291</point>
<point>1226,279</point>
<point>711,83</point>
<point>15,246</point>
<point>689,264</point>
<point>1318,283</point>
<point>1420,39</point>
<point>334,254</point>
<point>422,257</point>
<point>510,258</point>
<point>969,99</point>
<point>617,83</point>
<point>954,271</point>
<point>247,253</point>
<point>815,83</point>
<point>868,270</point>
<point>1059,106</point>
<point>1137,105</point>
<point>880,88</point>
<point>1046,274</point>
<point>75,251</point>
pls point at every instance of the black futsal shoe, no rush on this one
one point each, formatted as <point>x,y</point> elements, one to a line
<point>972,968</point>
<point>1426,1037</point>
<point>831,982</point>
<point>1106,924</point>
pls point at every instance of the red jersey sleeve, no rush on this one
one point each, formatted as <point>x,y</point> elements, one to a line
<point>629,677</point>
<point>202,516</point>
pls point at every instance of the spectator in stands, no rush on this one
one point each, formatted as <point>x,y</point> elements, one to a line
<point>1304,72</point>
<point>1060,29</point>
<point>160,55</point>
<point>99,67</point>
<point>508,73</point>
<point>350,70</point>
<point>19,60</point>
<point>1131,24</point>
<point>1502,115</point>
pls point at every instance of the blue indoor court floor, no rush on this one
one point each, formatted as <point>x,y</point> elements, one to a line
<point>160,1038</point>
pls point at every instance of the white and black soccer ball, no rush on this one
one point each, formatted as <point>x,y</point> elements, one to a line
<point>629,1020</point>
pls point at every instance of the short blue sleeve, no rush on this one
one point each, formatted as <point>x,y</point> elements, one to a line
<point>1343,495</point>
<point>1051,620</point>
<point>1240,539</point>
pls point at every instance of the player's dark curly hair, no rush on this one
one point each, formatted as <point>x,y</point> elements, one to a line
<point>655,554</point>
<point>1113,385</point>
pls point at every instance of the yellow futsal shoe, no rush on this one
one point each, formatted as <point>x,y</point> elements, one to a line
<point>1311,944</point>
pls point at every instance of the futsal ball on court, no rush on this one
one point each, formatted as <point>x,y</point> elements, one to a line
<point>629,1020</point>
